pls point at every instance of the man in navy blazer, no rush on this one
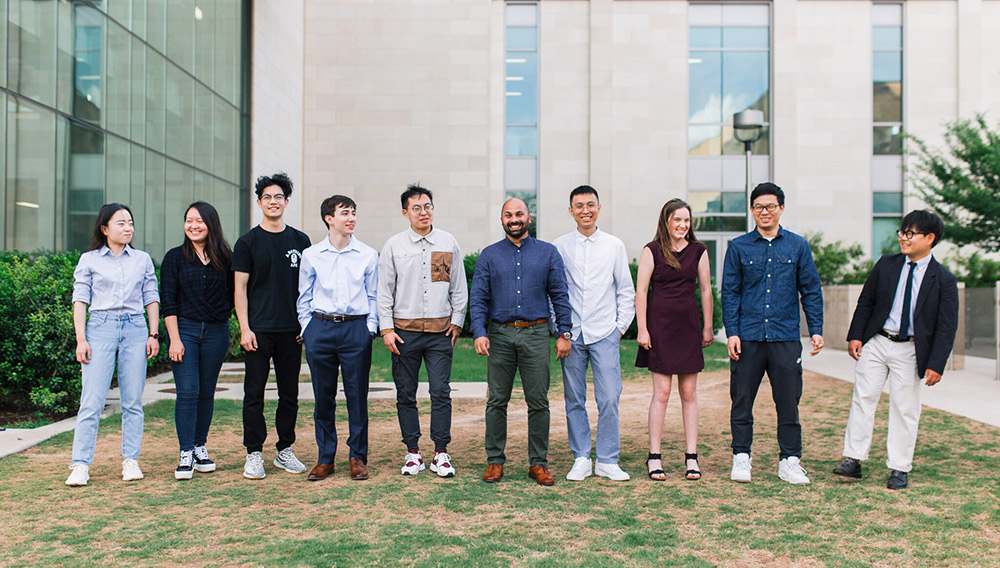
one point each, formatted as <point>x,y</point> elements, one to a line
<point>902,331</point>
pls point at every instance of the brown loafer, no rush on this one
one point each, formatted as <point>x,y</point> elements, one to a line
<point>359,470</point>
<point>540,473</point>
<point>320,471</point>
<point>494,473</point>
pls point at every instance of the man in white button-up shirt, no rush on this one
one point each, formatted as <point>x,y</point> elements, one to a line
<point>602,298</point>
<point>422,297</point>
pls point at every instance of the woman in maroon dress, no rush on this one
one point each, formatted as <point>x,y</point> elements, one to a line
<point>671,333</point>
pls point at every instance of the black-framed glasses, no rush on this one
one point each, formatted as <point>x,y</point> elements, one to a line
<point>909,234</point>
<point>770,208</point>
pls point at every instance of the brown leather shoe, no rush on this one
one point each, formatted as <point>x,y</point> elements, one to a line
<point>359,470</point>
<point>320,471</point>
<point>494,473</point>
<point>540,473</point>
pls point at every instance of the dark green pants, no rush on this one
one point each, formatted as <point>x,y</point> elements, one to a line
<point>526,350</point>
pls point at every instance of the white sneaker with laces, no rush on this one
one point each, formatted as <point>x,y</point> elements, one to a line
<point>441,465</point>
<point>611,471</point>
<point>202,463</point>
<point>287,461</point>
<point>412,465</point>
<point>131,471</point>
<point>79,475</point>
<point>254,468</point>
<point>185,466</point>
<point>582,469</point>
<point>790,470</point>
<point>741,468</point>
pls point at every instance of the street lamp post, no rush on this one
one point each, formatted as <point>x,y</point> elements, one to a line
<point>748,125</point>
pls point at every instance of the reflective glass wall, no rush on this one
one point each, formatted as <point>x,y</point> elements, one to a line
<point>142,102</point>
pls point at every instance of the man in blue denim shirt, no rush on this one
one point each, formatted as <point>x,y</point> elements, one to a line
<point>766,270</point>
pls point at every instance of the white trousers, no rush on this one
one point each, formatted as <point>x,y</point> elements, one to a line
<point>880,360</point>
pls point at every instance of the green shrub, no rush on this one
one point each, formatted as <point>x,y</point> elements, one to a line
<point>975,271</point>
<point>839,264</point>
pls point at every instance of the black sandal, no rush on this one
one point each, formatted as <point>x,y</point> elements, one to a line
<point>692,474</point>
<point>653,456</point>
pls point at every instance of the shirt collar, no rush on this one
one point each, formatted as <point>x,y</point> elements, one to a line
<point>328,246</point>
<point>104,250</point>
<point>581,238</point>
<point>415,236</point>
<point>921,264</point>
<point>756,231</point>
<point>524,240</point>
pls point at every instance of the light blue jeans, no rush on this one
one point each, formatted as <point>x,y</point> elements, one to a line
<point>605,360</point>
<point>121,340</point>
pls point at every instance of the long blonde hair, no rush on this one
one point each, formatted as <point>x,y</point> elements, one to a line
<point>662,237</point>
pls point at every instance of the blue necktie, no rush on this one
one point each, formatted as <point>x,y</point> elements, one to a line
<point>904,324</point>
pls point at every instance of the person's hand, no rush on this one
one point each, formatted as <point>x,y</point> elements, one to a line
<point>152,347</point>
<point>248,340</point>
<point>933,378</point>
<point>734,347</point>
<point>562,347</point>
<point>176,351</point>
<point>83,351</point>
<point>707,337</point>
<point>854,348</point>
<point>818,343</point>
<point>298,339</point>
<point>454,331</point>
<point>390,340</point>
<point>643,338</point>
<point>483,346</point>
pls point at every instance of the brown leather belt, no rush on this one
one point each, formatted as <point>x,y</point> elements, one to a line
<point>522,323</point>
<point>337,319</point>
<point>893,338</point>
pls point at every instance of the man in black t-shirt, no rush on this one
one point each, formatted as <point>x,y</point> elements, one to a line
<point>266,263</point>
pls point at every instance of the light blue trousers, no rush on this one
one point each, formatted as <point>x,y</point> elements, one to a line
<point>605,361</point>
<point>121,340</point>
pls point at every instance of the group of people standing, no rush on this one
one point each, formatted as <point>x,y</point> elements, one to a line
<point>335,297</point>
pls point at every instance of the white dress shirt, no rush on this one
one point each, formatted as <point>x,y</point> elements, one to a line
<point>338,282</point>
<point>894,320</point>
<point>601,293</point>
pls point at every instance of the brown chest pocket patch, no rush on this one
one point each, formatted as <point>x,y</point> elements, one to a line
<point>441,266</point>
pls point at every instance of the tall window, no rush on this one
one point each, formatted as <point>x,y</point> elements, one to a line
<point>521,112</point>
<point>887,117</point>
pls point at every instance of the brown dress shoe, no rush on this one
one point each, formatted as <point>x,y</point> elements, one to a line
<point>494,473</point>
<point>540,473</point>
<point>320,471</point>
<point>359,470</point>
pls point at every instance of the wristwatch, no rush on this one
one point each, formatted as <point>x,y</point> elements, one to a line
<point>567,335</point>
<point>154,335</point>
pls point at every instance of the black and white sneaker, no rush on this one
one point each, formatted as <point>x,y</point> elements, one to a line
<point>202,464</point>
<point>185,467</point>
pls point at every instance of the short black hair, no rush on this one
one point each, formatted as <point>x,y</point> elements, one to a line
<point>414,190</point>
<point>330,205</point>
<point>583,190</point>
<point>279,179</point>
<point>924,221</point>
<point>767,188</point>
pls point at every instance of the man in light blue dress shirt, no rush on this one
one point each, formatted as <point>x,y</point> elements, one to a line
<point>338,313</point>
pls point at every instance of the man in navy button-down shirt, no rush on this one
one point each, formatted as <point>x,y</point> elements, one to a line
<point>765,273</point>
<point>514,281</point>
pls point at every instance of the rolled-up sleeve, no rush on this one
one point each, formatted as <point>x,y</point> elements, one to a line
<point>83,279</point>
<point>150,294</point>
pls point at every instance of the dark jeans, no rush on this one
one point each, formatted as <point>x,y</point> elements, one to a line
<point>287,355</point>
<point>782,360</point>
<point>526,350</point>
<point>205,348</point>
<point>333,347</point>
<point>435,350</point>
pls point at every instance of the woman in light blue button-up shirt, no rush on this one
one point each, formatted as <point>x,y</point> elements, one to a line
<point>117,282</point>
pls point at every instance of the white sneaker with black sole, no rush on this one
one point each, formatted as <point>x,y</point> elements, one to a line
<point>131,471</point>
<point>412,464</point>
<point>287,461</point>
<point>185,466</point>
<point>441,465</point>
<point>202,463</point>
<point>79,475</point>
<point>254,468</point>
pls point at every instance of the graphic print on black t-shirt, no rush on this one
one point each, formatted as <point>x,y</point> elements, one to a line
<point>272,261</point>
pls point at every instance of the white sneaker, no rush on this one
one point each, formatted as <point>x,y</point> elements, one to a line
<point>202,463</point>
<point>287,461</point>
<point>790,470</point>
<point>254,468</point>
<point>582,469</point>
<point>185,466</point>
<point>441,465</point>
<point>413,465</point>
<point>741,468</point>
<point>611,471</point>
<point>79,475</point>
<point>130,470</point>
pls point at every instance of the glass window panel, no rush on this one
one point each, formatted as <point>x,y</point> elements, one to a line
<point>31,53</point>
<point>120,11</point>
<point>154,221</point>
<point>84,183</point>
<point>118,175</point>
<point>705,140</point>
<point>883,202</point>
<point>745,83</point>
<point>884,239</point>
<point>705,201</point>
<point>227,49</point>
<point>521,141</point>
<point>721,223</point>
<point>705,87</point>
<point>888,101</point>
<point>137,92</point>
<point>179,194</point>
<point>522,88</point>
<point>712,249</point>
<point>204,38</point>
<point>522,38</point>
<point>887,140</point>
<point>156,68</point>
<point>887,14</point>
<point>522,15</point>
<point>745,14</point>
<point>733,202</point>
<point>226,145</point>
<point>4,22</point>
<point>139,21</point>
<point>156,24</point>
<point>137,190</point>
<point>117,84</point>
<point>733,147</point>
<point>203,143</point>
<point>705,36</point>
<point>31,167</point>
<point>746,36</point>
<point>887,37</point>
<point>204,188</point>
<point>888,66</point>
<point>180,33</point>
<point>180,114</point>
<point>227,204</point>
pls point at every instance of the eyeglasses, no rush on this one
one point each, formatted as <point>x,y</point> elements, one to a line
<point>277,197</point>
<point>417,209</point>
<point>770,207</point>
<point>580,206</point>
<point>909,234</point>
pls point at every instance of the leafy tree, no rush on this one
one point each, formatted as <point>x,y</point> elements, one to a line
<point>962,181</point>
<point>975,270</point>
<point>838,264</point>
